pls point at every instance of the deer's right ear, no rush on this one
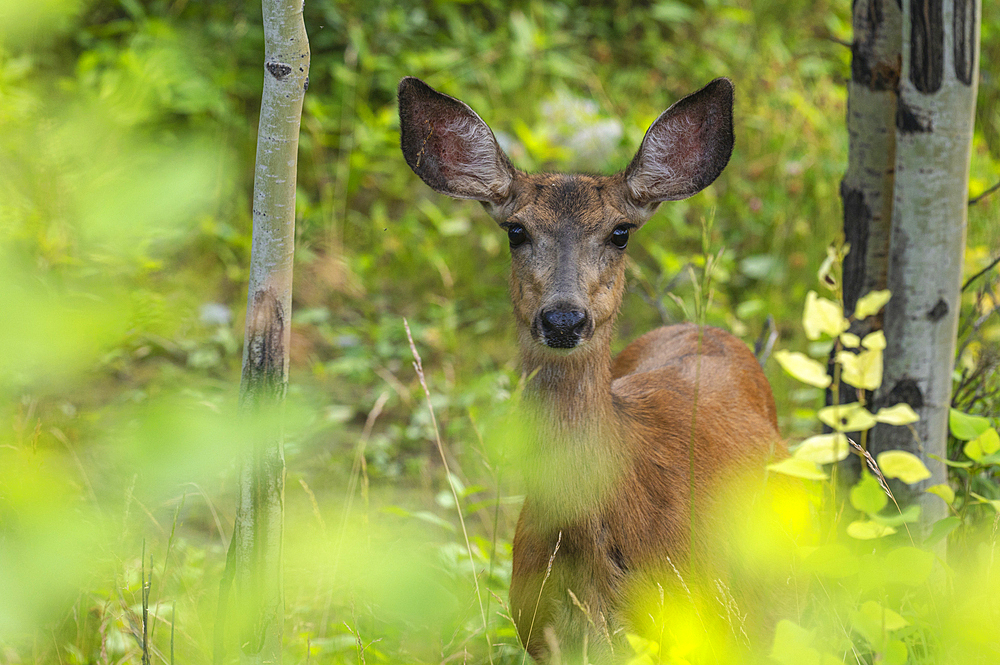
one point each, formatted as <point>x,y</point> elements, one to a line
<point>449,146</point>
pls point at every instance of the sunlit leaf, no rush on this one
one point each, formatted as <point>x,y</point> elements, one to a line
<point>871,303</point>
<point>867,530</point>
<point>966,427</point>
<point>800,468</point>
<point>894,653</point>
<point>793,646</point>
<point>900,414</point>
<point>803,368</point>
<point>851,417</point>
<point>874,341</point>
<point>862,370</point>
<point>883,616</point>
<point>985,444</point>
<point>822,317</point>
<point>944,491</point>
<point>850,340</point>
<point>834,257</point>
<point>867,495</point>
<point>823,448</point>
<point>903,465</point>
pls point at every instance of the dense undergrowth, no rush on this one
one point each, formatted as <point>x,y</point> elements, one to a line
<point>126,154</point>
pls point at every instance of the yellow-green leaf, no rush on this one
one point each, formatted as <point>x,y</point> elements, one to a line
<point>803,368</point>
<point>874,341</point>
<point>883,616</point>
<point>985,444</point>
<point>903,465</point>
<point>799,468</point>
<point>867,530</point>
<point>862,370</point>
<point>823,448</point>
<point>965,426</point>
<point>871,303</point>
<point>944,491</point>
<point>822,317</point>
<point>901,414</point>
<point>847,417</point>
<point>850,340</point>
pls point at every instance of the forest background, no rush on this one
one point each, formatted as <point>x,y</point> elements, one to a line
<point>127,138</point>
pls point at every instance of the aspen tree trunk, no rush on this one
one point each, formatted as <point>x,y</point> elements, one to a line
<point>254,563</point>
<point>866,189</point>
<point>934,123</point>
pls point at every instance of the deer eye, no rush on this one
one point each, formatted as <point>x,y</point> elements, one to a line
<point>516,234</point>
<point>619,237</point>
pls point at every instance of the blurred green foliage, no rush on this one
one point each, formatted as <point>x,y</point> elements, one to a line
<point>127,139</point>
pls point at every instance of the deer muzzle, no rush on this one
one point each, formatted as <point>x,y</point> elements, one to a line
<point>563,326</point>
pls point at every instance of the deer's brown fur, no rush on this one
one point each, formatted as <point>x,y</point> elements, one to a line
<point>629,453</point>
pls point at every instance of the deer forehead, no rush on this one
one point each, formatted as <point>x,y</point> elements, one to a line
<point>559,204</point>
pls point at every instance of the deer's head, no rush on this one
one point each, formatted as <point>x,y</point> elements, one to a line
<point>568,233</point>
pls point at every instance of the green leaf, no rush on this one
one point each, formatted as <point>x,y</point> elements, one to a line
<point>894,653</point>
<point>944,491</point>
<point>885,617</point>
<point>908,565</point>
<point>803,368</point>
<point>966,427</point>
<point>847,418</point>
<point>941,529</point>
<point>867,530</point>
<point>822,317</point>
<point>868,496</point>
<point>982,499</point>
<point>823,448</point>
<point>951,463</point>
<point>903,465</point>
<point>985,444</point>
<point>909,514</point>
<point>871,303</point>
<point>901,414</point>
<point>799,468</point>
<point>833,560</point>
<point>793,645</point>
<point>872,621</point>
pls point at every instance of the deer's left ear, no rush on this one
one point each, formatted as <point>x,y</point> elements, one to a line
<point>686,148</point>
<point>449,146</point>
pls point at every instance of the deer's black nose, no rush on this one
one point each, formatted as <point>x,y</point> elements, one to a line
<point>562,327</point>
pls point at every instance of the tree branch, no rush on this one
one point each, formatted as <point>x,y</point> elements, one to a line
<point>974,201</point>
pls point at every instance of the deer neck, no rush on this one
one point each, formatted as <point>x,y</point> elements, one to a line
<point>577,457</point>
<point>571,391</point>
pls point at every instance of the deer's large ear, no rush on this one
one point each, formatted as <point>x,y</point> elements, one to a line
<point>687,147</point>
<point>449,146</point>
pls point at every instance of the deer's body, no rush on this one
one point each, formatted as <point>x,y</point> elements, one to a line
<point>631,455</point>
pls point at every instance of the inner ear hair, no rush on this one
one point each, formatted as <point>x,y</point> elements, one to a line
<point>449,146</point>
<point>686,148</point>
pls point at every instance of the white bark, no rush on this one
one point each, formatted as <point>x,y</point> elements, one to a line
<point>933,142</point>
<point>254,564</point>
<point>867,186</point>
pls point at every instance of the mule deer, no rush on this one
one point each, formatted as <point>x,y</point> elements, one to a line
<point>629,452</point>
